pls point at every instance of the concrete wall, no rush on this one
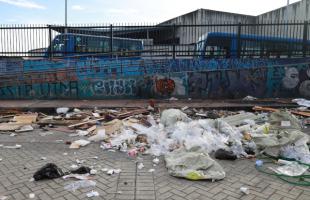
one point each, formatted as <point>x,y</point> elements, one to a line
<point>223,78</point>
<point>189,35</point>
<point>299,11</point>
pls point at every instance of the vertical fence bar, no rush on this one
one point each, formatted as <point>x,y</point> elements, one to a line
<point>239,40</point>
<point>50,48</point>
<point>174,41</point>
<point>111,40</point>
<point>305,38</point>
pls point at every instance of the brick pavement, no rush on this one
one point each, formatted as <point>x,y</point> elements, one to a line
<point>18,165</point>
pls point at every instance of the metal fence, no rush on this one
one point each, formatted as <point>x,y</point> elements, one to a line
<point>159,41</point>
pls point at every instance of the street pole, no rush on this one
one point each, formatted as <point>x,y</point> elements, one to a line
<point>66,12</point>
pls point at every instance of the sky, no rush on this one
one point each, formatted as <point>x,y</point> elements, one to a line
<point>121,11</point>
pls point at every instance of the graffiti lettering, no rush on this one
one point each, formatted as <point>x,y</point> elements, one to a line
<point>119,87</point>
<point>46,90</point>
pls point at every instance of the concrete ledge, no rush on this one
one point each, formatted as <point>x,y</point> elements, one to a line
<point>84,104</point>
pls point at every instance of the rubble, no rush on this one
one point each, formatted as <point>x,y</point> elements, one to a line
<point>188,139</point>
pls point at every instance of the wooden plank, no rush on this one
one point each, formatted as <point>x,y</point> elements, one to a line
<point>87,122</point>
<point>304,114</point>
<point>268,109</point>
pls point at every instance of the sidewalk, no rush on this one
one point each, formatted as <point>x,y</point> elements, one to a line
<point>18,166</point>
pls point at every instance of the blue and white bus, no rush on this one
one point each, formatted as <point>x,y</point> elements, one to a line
<point>226,45</point>
<point>71,45</point>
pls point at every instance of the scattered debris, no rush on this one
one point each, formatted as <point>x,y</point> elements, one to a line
<point>87,122</point>
<point>81,170</point>
<point>10,126</point>
<point>140,166</point>
<point>48,171</point>
<point>194,164</point>
<point>249,98</point>
<point>80,184</point>
<point>291,169</point>
<point>26,118</point>
<point>25,128</point>
<point>92,194</point>
<point>259,163</point>
<point>32,196</point>
<point>112,171</point>
<point>79,143</point>
<point>173,99</point>
<point>184,137</point>
<point>78,176</point>
<point>302,102</point>
<point>17,146</point>
<point>62,110</point>
<point>222,154</point>
<point>156,161</point>
<point>171,116</point>
<point>245,190</point>
<point>98,137</point>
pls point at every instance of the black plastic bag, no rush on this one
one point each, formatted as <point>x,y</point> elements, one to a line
<point>222,154</point>
<point>81,170</point>
<point>48,171</point>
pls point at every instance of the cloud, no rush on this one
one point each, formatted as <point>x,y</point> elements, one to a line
<point>24,4</point>
<point>77,7</point>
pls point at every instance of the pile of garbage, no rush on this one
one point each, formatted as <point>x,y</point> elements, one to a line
<point>188,138</point>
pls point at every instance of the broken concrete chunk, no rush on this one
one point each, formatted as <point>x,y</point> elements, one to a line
<point>26,118</point>
<point>10,126</point>
<point>25,128</point>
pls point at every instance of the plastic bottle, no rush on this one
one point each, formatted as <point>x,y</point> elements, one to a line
<point>259,163</point>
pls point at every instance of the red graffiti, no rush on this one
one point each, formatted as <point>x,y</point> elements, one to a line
<point>165,86</point>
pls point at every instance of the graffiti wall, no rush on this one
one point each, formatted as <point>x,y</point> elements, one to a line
<point>159,79</point>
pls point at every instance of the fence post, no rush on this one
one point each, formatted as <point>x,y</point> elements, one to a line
<point>111,40</point>
<point>239,41</point>
<point>174,40</point>
<point>50,47</point>
<point>305,39</point>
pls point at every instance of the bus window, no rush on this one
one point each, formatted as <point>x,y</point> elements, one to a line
<point>80,44</point>
<point>59,44</point>
<point>215,52</point>
<point>209,52</point>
